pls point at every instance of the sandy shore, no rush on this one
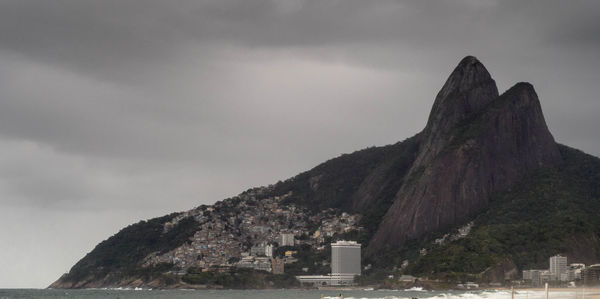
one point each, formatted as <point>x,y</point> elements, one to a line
<point>590,293</point>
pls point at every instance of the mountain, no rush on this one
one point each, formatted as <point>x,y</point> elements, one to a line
<point>484,163</point>
<point>553,210</point>
<point>475,143</point>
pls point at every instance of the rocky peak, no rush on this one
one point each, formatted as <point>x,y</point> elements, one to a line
<point>468,74</point>
<point>467,90</point>
<point>475,143</point>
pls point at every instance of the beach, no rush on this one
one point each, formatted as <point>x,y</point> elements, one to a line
<point>554,293</point>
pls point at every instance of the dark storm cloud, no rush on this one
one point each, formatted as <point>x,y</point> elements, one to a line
<point>114,35</point>
<point>128,42</point>
<point>143,50</point>
<point>123,40</point>
<point>139,108</point>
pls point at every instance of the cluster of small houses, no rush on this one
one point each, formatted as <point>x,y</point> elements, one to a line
<point>244,231</point>
<point>462,232</point>
<point>562,272</point>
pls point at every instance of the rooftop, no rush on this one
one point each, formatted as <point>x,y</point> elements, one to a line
<point>345,243</point>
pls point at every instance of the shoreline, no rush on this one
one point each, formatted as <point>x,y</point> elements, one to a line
<point>593,290</point>
<point>590,292</point>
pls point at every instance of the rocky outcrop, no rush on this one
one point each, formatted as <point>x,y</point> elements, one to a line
<point>467,91</point>
<point>475,143</point>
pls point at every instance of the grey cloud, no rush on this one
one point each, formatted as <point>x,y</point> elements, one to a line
<point>111,36</point>
<point>121,41</point>
<point>145,107</point>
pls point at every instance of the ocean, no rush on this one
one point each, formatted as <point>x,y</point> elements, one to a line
<point>287,294</point>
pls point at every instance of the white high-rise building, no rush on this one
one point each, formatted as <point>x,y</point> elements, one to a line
<point>345,258</point>
<point>286,239</point>
<point>345,265</point>
<point>269,250</point>
<point>558,266</point>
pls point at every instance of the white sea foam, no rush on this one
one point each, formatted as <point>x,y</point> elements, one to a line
<point>503,295</point>
<point>481,295</point>
<point>350,297</point>
<point>470,295</point>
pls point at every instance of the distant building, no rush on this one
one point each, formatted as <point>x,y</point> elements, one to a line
<point>538,277</point>
<point>317,234</point>
<point>558,266</point>
<point>262,263</point>
<point>269,250</point>
<point>316,280</point>
<point>535,277</point>
<point>345,265</point>
<point>575,271</point>
<point>286,239</point>
<point>545,276</point>
<point>245,262</point>
<point>527,274</point>
<point>591,275</point>
<point>258,250</point>
<point>345,258</point>
<point>407,278</point>
<point>345,261</point>
<point>290,259</point>
<point>256,263</point>
<point>278,265</point>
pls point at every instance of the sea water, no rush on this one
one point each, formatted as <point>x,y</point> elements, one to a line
<point>286,294</point>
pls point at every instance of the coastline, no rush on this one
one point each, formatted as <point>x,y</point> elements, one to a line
<point>595,290</point>
<point>330,292</point>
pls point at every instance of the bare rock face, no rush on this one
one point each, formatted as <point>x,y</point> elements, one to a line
<point>467,91</point>
<point>475,143</point>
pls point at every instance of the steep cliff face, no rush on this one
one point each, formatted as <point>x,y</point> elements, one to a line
<point>475,143</point>
<point>467,91</point>
<point>553,210</point>
<point>355,182</point>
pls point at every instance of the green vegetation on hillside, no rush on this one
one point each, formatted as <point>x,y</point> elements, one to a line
<point>475,124</point>
<point>121,255</point>
<point>239,278</point>
<point>334,183</point>
<point>549,212</point>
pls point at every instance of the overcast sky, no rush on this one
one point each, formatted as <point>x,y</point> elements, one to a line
<point>115,111</point>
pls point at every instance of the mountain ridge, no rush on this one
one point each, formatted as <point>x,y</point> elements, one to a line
<point>476,144</point>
